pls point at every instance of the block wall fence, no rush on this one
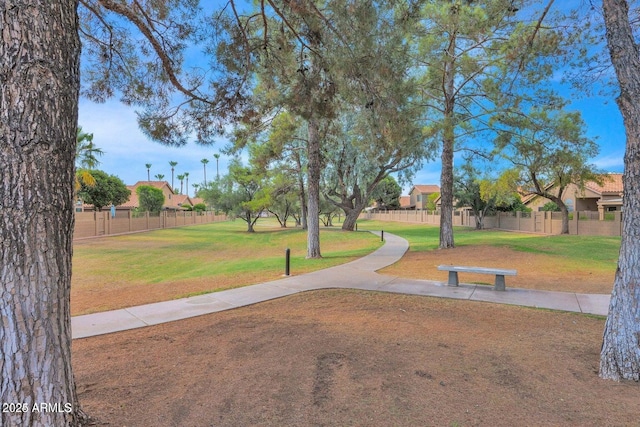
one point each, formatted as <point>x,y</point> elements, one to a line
<point>580,223</point>
<point>94,224</point>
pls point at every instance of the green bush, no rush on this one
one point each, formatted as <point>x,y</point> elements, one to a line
<point>550,207</point>
<point>151,198</point>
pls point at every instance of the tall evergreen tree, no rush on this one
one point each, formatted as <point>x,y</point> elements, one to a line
<point>349,54</point>
<point>475,53</point>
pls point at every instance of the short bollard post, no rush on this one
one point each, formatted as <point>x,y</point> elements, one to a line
<point>356,226</point>
<point>287,262</point>
<point>382,235</point>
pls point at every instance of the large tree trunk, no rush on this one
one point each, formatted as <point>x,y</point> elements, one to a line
<point>352,204</point>
<point>620,354</point>
<point>352,212</point>
<point>313,190</point>
<point>350,219</point>
<point>38,121</point>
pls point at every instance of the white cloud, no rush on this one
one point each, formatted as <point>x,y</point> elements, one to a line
<point>127,149</point>
<point>610,162</point>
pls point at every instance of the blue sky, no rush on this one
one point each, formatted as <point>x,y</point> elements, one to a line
<point>127,149</point>
<point>604,125</point>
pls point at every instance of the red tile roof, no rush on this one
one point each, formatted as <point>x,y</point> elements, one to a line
<point>157,184</point>
<point>174,202</point>
<point>612,184</point>
<point>181,199</point>
<point>430,188</point>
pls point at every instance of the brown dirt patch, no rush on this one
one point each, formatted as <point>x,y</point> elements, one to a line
<point>114,294</point>
<point>535,271</point>
<point>338,358</point>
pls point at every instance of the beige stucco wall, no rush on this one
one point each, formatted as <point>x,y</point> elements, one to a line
<point>573,197</point>
<point>534,222</point>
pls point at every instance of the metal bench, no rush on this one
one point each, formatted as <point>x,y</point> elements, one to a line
<point>455,269</point>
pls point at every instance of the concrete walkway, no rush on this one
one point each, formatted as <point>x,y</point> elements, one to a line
<point>359,274</point>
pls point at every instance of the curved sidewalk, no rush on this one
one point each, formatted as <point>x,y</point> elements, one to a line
<point>359,274</point>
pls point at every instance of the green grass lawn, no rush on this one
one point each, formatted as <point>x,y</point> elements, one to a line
<point>593,252</point>
<point>218,255</point>
<point>120,271</point>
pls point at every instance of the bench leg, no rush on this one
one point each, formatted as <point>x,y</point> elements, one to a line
<point>453,278</point>
<point>500,283</point>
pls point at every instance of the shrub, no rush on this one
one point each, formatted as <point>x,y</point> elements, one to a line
<point>151,198</point>
<point>550,207</point>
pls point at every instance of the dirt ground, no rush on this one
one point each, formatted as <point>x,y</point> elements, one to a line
<point>535,271</point>
<point>350,358</point>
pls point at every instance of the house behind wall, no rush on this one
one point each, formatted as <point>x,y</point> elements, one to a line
<point>601,198</point>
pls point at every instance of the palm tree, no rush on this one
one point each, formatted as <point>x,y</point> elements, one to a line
<point>86,151</point>
<point>204,165</point>
<point>196,187</point>
<point>217,156</point>
<point>181,178</point>
<point>86,157</point>
<point>148,165</point>
<point>173,165</point>
<point>159,177</point>
<point>186,175</point>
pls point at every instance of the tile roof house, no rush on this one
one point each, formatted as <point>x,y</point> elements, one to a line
<point>172,201</point>
<point>197,200</point>
<point>419,196</point>
<point>183,199</point>
<point>605,197</point>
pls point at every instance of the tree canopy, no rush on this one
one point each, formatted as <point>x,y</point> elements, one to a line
<point>106,190</point>
<point>244,193</point>
<point>549,150</point>
<point>481,192</point>
<point>150,199</point>
<point>477,58</point>
<point>387,193</point>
